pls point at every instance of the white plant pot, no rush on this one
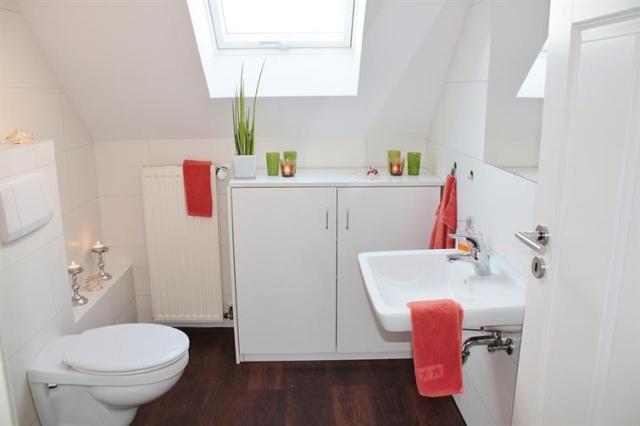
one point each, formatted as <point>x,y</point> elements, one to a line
<point>244,166</point>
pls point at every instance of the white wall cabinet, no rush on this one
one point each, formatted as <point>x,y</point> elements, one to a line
<point>298,289</point>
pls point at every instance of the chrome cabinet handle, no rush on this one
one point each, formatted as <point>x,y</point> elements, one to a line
<point>536,240</point>
<point>326,219</point>
<point>347,222</point>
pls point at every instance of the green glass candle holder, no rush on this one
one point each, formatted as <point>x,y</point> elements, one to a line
<point>413,163</point>
<point>393,155</point>
<point>290,156</point>
<point>273,163</point>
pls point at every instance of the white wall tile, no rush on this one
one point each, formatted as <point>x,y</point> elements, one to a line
<point>118,166</point>
<point>377,149</point>
<point>173,152</point>
<point>59,281</point>
<point>143,305</point>
<point>464,117</point>
<point>123,220</point>
<point>129,314</point>
<point>26,299</point>
<point>77,172</point>
<point>82,227</point>
<point>136,256</point>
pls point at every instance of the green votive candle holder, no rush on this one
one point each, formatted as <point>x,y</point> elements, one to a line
<point>413,163</point>
<point>273,163</point>
<point>392,156</point>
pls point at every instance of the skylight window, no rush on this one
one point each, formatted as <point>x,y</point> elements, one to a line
<point>308,47</point>
<point>282,24</point>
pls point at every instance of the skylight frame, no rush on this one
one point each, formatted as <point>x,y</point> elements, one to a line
<point>278,41</point>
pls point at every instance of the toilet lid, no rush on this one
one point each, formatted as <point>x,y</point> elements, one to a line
<point>126,348</point>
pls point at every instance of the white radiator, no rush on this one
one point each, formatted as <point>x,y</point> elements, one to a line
<point>183,251</point>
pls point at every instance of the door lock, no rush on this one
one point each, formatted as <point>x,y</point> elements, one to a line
<point>538,267</point>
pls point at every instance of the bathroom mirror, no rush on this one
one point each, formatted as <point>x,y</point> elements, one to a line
<point>515,87</point>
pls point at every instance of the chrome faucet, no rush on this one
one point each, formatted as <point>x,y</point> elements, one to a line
<point>477,254</point>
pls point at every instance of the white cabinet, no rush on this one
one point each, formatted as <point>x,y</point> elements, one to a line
<point>298,288</point>
<point>376,219</point>
<point>285,269</point>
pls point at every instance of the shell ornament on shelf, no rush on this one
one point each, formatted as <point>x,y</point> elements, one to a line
<point>93,283</point>
<point>18,137</point>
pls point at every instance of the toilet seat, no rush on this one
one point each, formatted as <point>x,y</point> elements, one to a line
<point>125,349</point>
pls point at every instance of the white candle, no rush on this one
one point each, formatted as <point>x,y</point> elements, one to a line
<point>73,267</point>
<point>98,245</point>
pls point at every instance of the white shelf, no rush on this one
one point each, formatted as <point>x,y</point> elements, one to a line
<point>117,272</point>
<point>336,177</point>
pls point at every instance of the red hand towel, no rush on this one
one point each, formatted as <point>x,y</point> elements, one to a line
<point>446,217</point>
<point>197,187</point>
<point>437,337</point>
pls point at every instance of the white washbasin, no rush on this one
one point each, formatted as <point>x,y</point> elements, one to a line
<point>394,278</point>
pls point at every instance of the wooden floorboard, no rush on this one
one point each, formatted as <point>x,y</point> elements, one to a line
<point>214,390</point>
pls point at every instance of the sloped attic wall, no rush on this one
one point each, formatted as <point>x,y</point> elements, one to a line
<point>132,69</point>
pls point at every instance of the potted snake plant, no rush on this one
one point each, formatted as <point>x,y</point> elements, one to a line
<point>244,126</point>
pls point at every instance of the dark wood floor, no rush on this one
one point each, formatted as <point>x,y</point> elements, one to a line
<point>216,391</point>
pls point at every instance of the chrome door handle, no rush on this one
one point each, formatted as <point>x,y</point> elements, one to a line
<point>347,222</point>
<point>326,219</point>
<point>536,240</point>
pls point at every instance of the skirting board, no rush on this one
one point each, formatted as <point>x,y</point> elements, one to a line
<point>334,356</point>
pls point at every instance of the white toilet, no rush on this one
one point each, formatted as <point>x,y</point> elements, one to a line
<point>102,376</point>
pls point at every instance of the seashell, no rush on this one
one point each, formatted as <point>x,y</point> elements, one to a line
<point>20,137</point>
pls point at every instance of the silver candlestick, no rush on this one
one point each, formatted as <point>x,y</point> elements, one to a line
<point>100,250</point>
<point>74,270</point>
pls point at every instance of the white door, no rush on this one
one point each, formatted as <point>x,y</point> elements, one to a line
<point>373,219</point>
<point>581,339</point>
<point>285,269</point>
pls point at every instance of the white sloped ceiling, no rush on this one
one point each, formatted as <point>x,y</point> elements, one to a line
<point>132,69</point>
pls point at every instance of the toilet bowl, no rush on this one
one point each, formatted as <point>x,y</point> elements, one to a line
<point>102,376</point>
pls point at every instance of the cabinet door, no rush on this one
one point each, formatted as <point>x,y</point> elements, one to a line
<point>376,219</point>
<point>285,269</point>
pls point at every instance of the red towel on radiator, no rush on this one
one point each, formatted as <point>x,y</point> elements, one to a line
<point>197,187</point>
<point>437,343</point>
<point>446,216</point>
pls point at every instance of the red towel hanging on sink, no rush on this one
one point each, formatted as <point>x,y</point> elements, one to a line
<point>446,217</point>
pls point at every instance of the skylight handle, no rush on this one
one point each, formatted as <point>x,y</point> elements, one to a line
<point>275,44</point>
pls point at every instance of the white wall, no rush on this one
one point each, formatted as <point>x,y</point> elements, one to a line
<point>32,99</point>
<point>500,202</point>
<point>34,287</point>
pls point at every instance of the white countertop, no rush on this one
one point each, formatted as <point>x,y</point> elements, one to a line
<point>336,177</point>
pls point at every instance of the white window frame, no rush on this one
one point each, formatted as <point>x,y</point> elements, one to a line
<point>278,40</point>
<point>294,72</point>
